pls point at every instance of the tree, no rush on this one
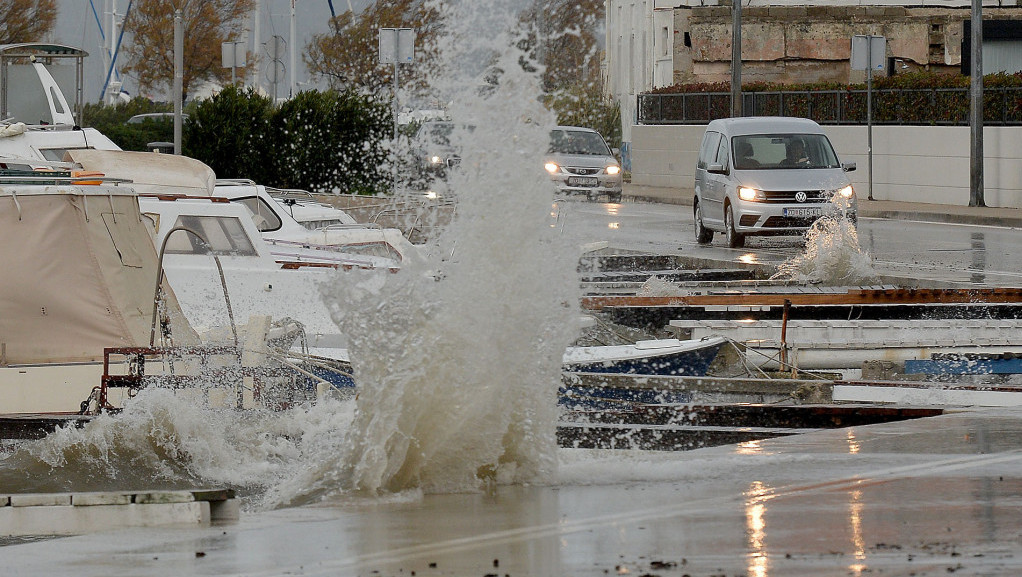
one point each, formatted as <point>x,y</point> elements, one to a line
<point>207,23</point>
<point>26,20</point>
<point>562,37</point>
<point>231,133</point>
<point>332,142</point>
<point>348,56</point>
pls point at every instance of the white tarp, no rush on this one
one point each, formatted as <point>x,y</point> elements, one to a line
<point>150,172</point>
<point>79,274</point>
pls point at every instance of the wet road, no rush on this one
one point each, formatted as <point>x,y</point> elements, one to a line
<point>930,496</point>
<point>932,252</point>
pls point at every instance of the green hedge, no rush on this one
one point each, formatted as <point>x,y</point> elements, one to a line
<point>915,98</point>
<point>319,141</point>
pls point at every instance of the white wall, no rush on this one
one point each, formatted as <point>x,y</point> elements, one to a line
<point>910,163</point>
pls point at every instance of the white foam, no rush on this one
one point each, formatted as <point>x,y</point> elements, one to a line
<point>832,256</point>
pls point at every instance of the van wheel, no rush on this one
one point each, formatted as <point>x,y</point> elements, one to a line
<point>703,234</point>
<point>734,239</point>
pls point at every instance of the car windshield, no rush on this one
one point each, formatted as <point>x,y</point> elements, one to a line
<point>782,151</point>
<point>578,142</point>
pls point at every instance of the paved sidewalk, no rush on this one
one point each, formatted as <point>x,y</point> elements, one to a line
<point>992,216</point>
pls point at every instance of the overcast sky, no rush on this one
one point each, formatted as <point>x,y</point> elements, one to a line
<point>77,26</point>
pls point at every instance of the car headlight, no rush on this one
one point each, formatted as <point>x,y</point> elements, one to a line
<point>613,169</point>
<point>552,167</point>
<point>435,159</point>
<point>847,191</point>
<point>749,194</point>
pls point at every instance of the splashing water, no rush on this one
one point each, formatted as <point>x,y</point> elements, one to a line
<point>163,441</point>
<point>457,376</point>
<point>832,256</point>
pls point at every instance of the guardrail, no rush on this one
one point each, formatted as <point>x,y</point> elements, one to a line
<point>926,107</point>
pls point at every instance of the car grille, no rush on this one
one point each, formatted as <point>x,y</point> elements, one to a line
<point>789,222</point>
<point>582,171</point>
<point>788,196</point>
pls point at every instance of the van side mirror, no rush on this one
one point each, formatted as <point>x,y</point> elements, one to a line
<point>848,166</point>
<point>716,168</point>
<point>616,152</point>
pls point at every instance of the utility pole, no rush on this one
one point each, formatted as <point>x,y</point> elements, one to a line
<point>736,58</point>
<point>976,108</point>
<point>294,47</point>
<point>179,67</point>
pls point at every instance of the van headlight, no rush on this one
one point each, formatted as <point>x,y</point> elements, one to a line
<point>613,169</point>
<point>846,192</point>
<point>435,159</point>
<point>552,167</point>
<point>749,194</point>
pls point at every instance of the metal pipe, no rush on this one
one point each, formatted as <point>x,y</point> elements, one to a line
<point>159,281</point>
<point>784,334</point>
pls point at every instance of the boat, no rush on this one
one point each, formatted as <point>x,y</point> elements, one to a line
<point>647,357</point>
<point>847,344</point>
<point>80,271</point>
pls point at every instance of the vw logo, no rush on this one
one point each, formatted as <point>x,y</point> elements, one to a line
<point>800,196</point>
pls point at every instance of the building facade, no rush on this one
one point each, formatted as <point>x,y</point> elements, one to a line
<point>656,43</point>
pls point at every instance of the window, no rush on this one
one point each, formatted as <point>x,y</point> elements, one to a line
<point>722,155</point>
<point>774,151</point>
<point>708,149</point>
<point>225,234</point>
<point>263,215</point>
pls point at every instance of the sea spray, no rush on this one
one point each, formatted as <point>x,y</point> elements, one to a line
<point>832,256</point>
<point>162,440</point>
<point>458,363</point>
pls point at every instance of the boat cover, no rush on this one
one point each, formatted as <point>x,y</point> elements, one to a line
<point>150,172</point>
<point>79,274</point>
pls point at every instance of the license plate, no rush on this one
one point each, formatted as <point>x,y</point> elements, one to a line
<point>803,212</point>
<point>583,181</point>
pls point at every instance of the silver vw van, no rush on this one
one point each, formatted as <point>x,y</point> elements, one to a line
<point>767,176</point>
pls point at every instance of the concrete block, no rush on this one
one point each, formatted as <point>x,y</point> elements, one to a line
<point>68,520</point>
<point>5,501</point>
<point>225,511</point>
<point>41,500</point>
<point>105,498</point>
<point>160,497</point>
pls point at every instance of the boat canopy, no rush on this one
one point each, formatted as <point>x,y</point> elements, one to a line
<point>150,172</point>
<point>80,271</point>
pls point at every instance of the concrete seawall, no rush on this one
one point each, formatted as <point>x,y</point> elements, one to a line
<point>78,513</point>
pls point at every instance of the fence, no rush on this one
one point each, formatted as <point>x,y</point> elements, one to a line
<point>1002,106</point>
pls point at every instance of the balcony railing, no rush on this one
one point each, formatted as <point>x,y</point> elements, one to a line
<point>925,107</point>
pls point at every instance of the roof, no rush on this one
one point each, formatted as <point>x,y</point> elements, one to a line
<point>36,48</point>
<point>765,125</point>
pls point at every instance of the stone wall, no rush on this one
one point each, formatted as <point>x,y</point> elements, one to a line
<point>793,44</point>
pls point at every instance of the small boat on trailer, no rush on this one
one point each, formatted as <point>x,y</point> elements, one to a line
<point>659,357</point>
<point>650,357</point>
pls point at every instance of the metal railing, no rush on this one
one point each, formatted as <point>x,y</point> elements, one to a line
<point>1002,106</point>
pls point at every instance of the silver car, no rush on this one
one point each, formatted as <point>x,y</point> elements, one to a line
<point>767,176</point>
<point>580,162</point>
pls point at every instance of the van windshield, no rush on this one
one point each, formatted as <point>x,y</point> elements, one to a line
<point>782,151</point>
